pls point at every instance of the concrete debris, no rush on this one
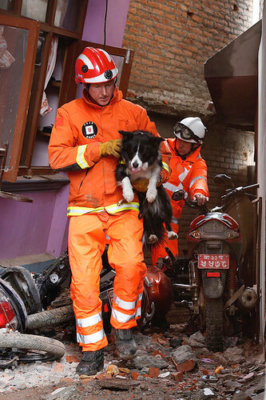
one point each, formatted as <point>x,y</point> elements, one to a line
<point>62,393</point>
<point>142,361</point>
<point>159,370</point>
<point>184,358</point>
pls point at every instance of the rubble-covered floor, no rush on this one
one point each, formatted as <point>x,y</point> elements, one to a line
<point>169,365</point>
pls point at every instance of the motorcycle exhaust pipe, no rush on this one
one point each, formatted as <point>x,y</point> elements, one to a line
<point>248,299</point>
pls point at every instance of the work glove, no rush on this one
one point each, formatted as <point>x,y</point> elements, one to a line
<point>201,199</point>
<point>110,148</point>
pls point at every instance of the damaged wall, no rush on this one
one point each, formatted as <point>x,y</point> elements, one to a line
<point>172,41</point>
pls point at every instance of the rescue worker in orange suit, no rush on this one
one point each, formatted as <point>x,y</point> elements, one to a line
<point>188,172</point>
<point>85,142</point>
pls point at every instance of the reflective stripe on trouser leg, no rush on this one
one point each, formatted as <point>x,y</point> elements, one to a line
<point>125,255</point>
<point>160,252</point>
<point>86,244</point>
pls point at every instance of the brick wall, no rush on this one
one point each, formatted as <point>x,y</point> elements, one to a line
<point>172,41</point>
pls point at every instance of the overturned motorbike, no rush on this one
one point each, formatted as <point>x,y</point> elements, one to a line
<point>30,302</point>
<point>211,281</point>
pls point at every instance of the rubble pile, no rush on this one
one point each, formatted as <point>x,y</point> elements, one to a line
<point>168,365</point>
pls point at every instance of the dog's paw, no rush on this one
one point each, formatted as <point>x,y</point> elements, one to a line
<point>151,194</point>
<point>128,194</point>
<point>152,239</point>
<point>172,235</point>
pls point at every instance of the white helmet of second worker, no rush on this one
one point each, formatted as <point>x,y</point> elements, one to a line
<point>190,129</point>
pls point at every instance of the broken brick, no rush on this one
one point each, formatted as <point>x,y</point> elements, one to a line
<point>153,372</point>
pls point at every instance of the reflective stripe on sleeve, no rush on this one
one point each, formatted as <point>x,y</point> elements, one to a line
<point>80,157</point>
<point>195,180</point>
<point>93,338</point>
<point>172,188</point>
<point>165,166</point>
<point>89,321</point>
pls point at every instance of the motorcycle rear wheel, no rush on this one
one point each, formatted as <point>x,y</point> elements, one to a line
<point>214,324</point>
<point>28,348</point>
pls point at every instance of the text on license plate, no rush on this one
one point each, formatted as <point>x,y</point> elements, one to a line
<point>213,261</point>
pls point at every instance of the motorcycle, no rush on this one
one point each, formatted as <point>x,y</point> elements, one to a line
<point>211,281</point>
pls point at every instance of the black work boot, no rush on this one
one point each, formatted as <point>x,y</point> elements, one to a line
<point>125,344</point>
<point>91,362</point>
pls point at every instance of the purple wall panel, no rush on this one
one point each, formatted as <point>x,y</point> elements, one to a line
<point>115,22</point>
<point>25,227</point>
<point>57,238</point>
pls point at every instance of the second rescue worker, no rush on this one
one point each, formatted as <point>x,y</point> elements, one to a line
<point>85,142</point>
<point>188,172</point>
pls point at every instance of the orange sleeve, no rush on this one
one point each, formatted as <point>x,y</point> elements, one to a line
<point>198,181</point>
<point>64,152</point>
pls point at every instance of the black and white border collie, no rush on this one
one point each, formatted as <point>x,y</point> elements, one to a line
<point>141,158</point>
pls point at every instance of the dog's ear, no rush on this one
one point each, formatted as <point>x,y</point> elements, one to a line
<point>126,134</point>
<point>158,139</point>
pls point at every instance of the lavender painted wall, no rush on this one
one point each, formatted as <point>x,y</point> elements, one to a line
<point>41,226</point>
<point>115,25</point>
<point>25,227</point>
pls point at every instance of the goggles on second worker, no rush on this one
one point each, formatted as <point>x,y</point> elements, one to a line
<point>185,133</point>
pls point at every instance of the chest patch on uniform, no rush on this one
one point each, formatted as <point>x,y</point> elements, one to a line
<point>89,130</point>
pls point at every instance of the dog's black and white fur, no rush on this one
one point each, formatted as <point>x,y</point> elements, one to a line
<point>141,158</point>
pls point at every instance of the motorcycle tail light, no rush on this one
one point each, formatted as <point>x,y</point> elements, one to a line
<point>195,235</point>
<point>7,312</point>
<point>213,229</point>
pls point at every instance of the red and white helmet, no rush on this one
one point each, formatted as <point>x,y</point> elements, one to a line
<point>94,66</point>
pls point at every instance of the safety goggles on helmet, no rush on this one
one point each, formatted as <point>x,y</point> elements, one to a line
<point>184,133</point>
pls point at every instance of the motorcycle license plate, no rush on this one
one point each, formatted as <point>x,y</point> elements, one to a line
<point>213,261</point>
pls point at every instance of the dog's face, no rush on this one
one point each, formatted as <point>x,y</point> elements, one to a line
<point>140,149</point>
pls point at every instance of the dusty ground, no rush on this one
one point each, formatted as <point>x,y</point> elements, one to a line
<point>170,364</point>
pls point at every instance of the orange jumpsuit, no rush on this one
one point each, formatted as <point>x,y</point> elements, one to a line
<point>190,175</point>
<point>95,212</point>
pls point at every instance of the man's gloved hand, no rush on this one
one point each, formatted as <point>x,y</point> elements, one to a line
<point>200,198</point>
<point>110,148</point>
